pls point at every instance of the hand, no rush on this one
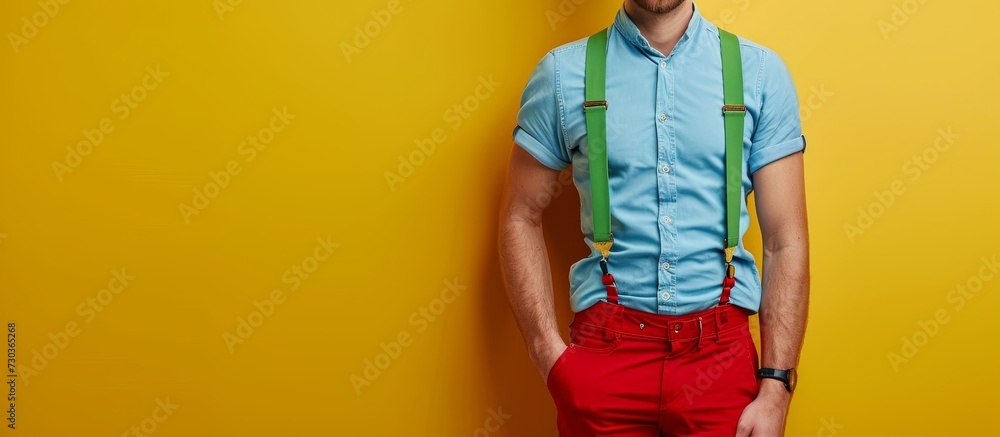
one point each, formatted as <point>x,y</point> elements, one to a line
<point>765,416</point>
<point>545,357</point>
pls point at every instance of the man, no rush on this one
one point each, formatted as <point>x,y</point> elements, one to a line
<point>663,346</point>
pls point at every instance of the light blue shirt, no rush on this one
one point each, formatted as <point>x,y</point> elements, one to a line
<point>666,148</point>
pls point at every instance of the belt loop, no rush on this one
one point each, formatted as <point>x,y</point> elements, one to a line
<point>614,322</point>
<point>697,343</point>
<point>717,327</point>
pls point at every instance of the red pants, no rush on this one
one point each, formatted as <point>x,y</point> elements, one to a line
<point>632,373</point>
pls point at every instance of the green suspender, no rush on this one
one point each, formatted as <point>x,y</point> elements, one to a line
<point>734,114</point>
<point>595,110</point>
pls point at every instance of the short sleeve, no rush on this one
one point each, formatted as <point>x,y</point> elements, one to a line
<point>779,128</point>
<point>539,121</point>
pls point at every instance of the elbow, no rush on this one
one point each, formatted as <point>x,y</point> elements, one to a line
<point>793,242</point>
<point>513,226</point>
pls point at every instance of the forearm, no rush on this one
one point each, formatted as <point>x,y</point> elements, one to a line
<point>784,304</point>
<point>528,282</point>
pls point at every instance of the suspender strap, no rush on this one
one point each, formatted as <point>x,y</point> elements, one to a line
<point>734,114</point>
<point>595,109</point>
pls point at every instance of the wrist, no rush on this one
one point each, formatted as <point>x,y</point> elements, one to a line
<point>545,344</point>
<point>775,391</point>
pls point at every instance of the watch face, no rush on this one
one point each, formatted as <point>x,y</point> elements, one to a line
<point>793,378</point>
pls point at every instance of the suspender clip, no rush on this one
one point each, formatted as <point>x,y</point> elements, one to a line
<point>605,247</point>
<point>732,108</point>
<point>594,103</point>
<point>730,268</point>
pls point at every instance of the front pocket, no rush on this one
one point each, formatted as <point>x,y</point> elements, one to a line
<point>556,365</point>
<point>590,338</point>
<point>753,359</point>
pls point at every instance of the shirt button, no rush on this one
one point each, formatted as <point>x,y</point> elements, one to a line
<point>665,169</point>
<point>667,220</point>
<point>663,117</point>
<point>663,64</point>
<point>666,266</point>
<point>665,295</point>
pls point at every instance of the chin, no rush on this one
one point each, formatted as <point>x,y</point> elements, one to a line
<point>659,6</point>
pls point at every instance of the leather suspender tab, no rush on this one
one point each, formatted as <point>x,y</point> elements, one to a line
<point>727,108</point>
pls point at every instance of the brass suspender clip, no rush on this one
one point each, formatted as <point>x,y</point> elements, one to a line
<point>729,251</point>
<point>733,108</point>
<point>605,247</point>
<point>730,268</point>
<point>594,103</point>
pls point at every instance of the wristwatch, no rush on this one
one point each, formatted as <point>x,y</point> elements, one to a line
<point>789,377</point>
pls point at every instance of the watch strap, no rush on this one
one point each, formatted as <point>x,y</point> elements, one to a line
<point>781,375</point>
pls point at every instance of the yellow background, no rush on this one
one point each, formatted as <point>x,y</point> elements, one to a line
<point>324,175</point>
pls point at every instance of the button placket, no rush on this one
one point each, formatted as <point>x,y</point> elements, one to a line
<point>667,235</point>
<point>662,182</point>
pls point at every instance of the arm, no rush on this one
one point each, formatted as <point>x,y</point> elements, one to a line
<point>524,258</point>
<point>781,211</point>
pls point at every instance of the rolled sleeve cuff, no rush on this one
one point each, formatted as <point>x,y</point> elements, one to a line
<point>539,151</point>
<point>769,154</point>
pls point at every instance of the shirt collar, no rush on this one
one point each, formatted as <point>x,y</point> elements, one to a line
<point>628,29</point>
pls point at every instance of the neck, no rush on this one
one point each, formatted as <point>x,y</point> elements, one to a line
<point>662,30</point>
